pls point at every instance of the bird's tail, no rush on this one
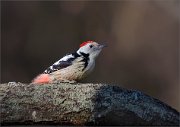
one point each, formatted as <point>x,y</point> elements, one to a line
<point>42,78</point>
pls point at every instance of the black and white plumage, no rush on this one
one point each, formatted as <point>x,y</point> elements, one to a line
<point>72,67</point>
<point>66,61</point>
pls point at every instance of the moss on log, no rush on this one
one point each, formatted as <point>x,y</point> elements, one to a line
<point>81,104</point>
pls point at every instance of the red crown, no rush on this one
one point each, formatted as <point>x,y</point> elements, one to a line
<point>84,43</point>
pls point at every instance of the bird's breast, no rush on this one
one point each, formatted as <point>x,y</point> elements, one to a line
<point>89,67</point>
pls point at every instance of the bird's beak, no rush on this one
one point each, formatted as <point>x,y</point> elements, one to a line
<point>102,45</point>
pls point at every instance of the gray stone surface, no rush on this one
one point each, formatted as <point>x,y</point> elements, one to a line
<point>81,104</point>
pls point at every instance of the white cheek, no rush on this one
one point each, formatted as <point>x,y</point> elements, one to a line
<point>95,53</point>
<point>84,50</point>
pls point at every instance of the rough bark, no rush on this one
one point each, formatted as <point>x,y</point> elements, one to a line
<point>81,104</point>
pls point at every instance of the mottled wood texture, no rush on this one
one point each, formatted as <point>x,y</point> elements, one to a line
<point>81,104</point>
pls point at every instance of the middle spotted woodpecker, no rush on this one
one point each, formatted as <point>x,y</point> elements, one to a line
<point>72,67</point>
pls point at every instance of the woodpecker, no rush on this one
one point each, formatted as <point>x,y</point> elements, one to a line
<point>72,67</point>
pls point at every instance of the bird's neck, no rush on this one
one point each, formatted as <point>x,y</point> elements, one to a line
<point>85,55</point>
<point>89,61</point>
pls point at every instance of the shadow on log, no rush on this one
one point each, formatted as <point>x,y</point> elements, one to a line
<point>81,104</point>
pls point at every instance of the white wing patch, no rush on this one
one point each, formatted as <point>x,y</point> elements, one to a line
<point>66,57</point>
<point>62,63</point>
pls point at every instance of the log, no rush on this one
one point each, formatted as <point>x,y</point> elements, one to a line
<point>81,104</point>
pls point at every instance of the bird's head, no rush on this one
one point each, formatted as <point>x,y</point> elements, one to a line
<point>91,48</point>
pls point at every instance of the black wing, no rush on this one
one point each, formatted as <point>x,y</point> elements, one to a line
<point>62,63</point>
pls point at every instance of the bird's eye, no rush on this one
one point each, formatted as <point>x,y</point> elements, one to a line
<point>91,46</point>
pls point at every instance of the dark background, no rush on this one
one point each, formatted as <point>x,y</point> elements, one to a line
<point>142,38</point>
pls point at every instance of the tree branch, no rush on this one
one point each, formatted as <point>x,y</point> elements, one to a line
<point>81,104</point>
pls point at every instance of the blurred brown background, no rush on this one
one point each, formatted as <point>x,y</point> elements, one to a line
<point>142,37</point>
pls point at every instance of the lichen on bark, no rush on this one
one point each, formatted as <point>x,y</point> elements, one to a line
<point>81,104</point>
